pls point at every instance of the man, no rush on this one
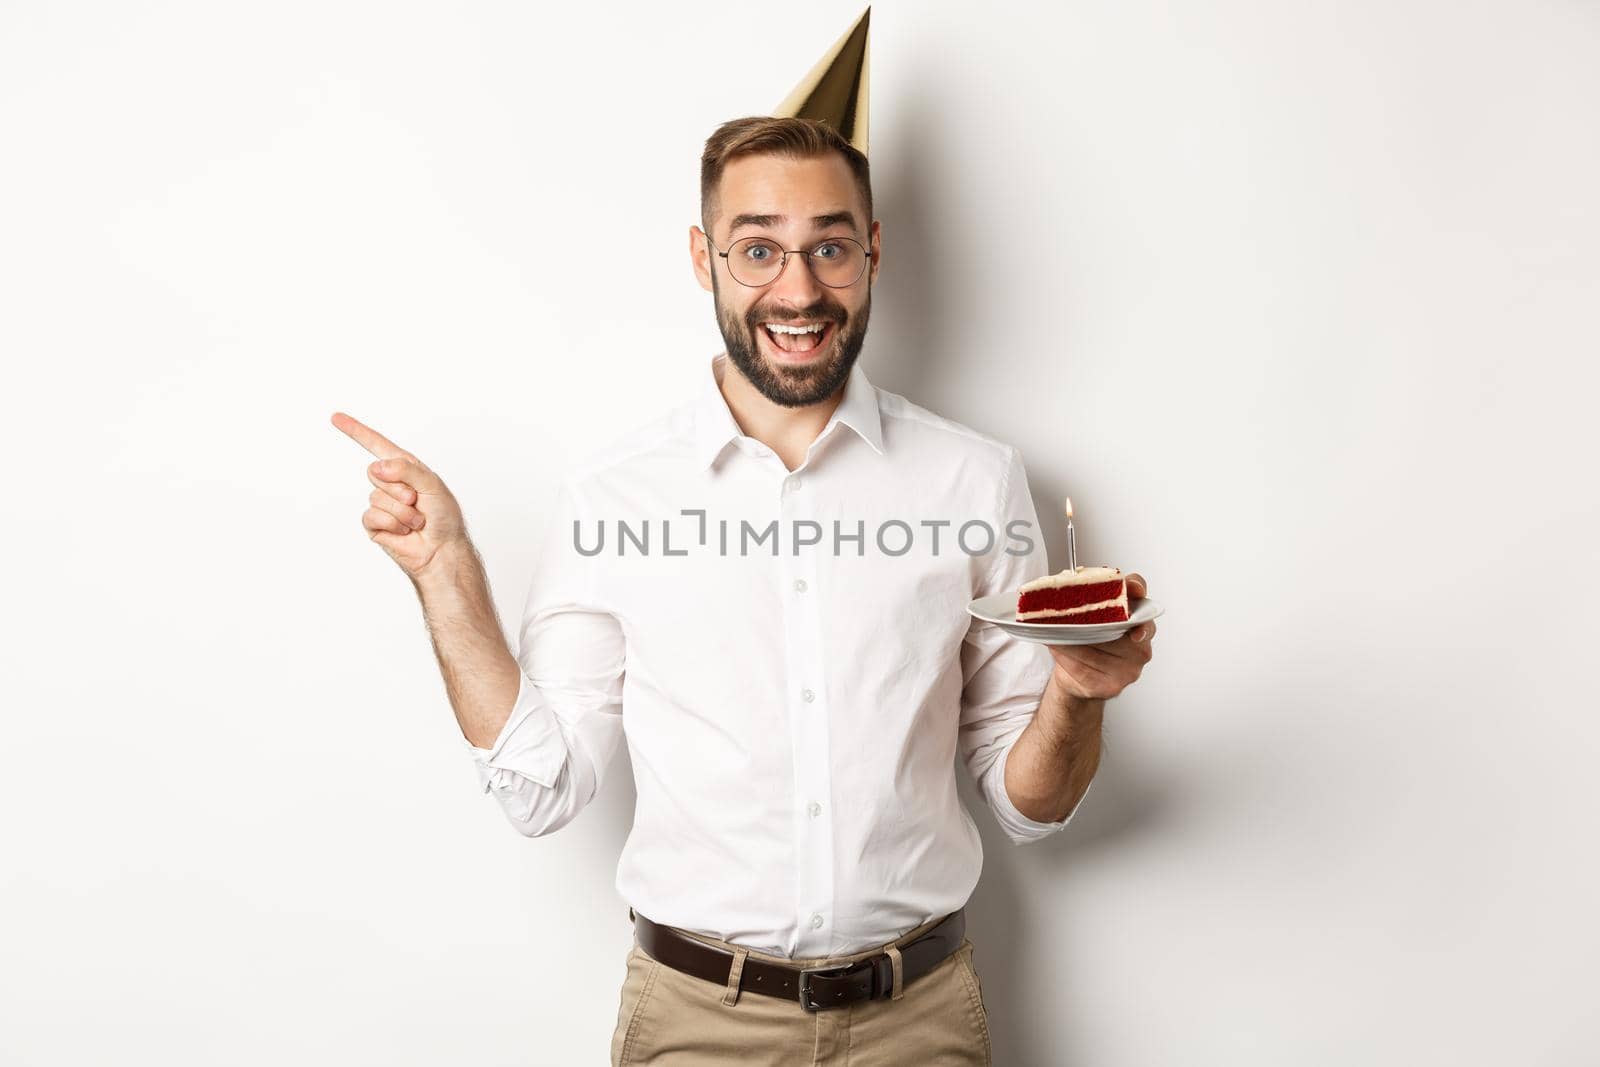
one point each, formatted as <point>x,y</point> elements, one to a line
<point>799,859</point>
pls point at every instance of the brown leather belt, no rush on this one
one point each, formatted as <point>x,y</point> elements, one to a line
<point>815,988</point>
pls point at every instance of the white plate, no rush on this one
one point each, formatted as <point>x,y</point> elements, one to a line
<point>1001,609</point>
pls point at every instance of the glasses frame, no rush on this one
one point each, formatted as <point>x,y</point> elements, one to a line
<point>866,260</point>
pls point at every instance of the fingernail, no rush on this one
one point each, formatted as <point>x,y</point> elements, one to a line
<point>1140,634</point>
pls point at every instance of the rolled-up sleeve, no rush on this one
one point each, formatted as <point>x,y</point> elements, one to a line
<point>550,758</point>
<point>1003,678</point>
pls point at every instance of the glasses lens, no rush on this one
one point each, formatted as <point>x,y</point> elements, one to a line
<point>838,262</point>
<point>754,261</point>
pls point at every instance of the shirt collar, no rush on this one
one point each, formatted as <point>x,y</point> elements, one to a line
<point>715,425</point>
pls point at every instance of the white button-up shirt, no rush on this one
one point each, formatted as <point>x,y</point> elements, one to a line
<point>790,659</point>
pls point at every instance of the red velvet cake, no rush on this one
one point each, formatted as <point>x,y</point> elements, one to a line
<point>1088,594</point>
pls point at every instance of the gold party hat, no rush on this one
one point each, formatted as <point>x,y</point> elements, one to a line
<point>835,90</point>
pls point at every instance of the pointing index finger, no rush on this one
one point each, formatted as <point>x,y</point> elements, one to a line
<point>368,438</point>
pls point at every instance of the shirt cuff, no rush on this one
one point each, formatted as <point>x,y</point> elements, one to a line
<point>1018,826</point>
<point>530,743</point>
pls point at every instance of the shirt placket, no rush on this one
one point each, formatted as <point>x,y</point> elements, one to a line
<point>808,722</point>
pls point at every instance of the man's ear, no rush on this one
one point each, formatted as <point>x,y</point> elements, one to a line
<point>700,255</point>
<point>875,250</point>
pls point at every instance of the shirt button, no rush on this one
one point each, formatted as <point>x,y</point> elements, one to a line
<point>807,695</point>
<point>815,809</point>
<point>799,585</point>
<point>816,922</point>
<point>792,482</point>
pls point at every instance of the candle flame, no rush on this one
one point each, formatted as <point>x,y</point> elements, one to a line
<point>1069,507</point>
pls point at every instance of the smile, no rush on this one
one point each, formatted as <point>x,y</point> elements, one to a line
<point>799,339</point>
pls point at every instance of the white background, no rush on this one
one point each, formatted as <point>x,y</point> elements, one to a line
<point>1297,301</point>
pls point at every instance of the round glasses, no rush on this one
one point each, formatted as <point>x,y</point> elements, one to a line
<point>837,262</point>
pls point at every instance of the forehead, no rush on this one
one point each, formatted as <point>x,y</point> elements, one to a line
<point>797,188</point>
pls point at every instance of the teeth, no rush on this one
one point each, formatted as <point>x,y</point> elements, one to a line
<point>815,327</point>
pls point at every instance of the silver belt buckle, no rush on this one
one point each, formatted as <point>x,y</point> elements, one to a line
<point>829,972</point>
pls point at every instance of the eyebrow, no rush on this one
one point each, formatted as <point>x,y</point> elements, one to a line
<point>818,222</point>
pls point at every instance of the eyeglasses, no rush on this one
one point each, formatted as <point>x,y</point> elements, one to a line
<point>755,261</point>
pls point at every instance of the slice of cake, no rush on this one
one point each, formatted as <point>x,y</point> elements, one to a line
<point>1088,594</point>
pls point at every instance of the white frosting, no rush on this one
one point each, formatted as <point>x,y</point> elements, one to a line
<point>1081,576</point>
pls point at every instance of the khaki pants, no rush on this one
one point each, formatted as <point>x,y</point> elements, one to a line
<point>673,1019</point>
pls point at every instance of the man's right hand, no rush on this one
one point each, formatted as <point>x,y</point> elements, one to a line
<point>413,517</point>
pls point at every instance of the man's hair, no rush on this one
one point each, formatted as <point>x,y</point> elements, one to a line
<point>764,135</point>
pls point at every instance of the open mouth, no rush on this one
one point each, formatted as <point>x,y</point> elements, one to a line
<point>797,341</point>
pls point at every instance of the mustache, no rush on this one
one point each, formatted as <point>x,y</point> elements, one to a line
<point>819,313</point>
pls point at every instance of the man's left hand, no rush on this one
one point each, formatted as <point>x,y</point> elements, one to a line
<point>1100,672</point>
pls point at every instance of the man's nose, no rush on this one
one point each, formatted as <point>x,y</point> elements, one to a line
<point>797,283</point>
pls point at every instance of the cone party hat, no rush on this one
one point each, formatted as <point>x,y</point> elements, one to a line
<point>835,90</point>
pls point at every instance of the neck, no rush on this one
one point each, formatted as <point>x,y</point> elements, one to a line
<point>787,431</point>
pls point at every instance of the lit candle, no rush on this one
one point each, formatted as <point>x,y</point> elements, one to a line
<point>1072,540</point>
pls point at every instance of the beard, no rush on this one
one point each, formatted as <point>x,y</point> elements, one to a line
<point>782,383</point>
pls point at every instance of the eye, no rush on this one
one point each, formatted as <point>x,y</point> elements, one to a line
<point>830,250</point>
<point>759,252</point>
